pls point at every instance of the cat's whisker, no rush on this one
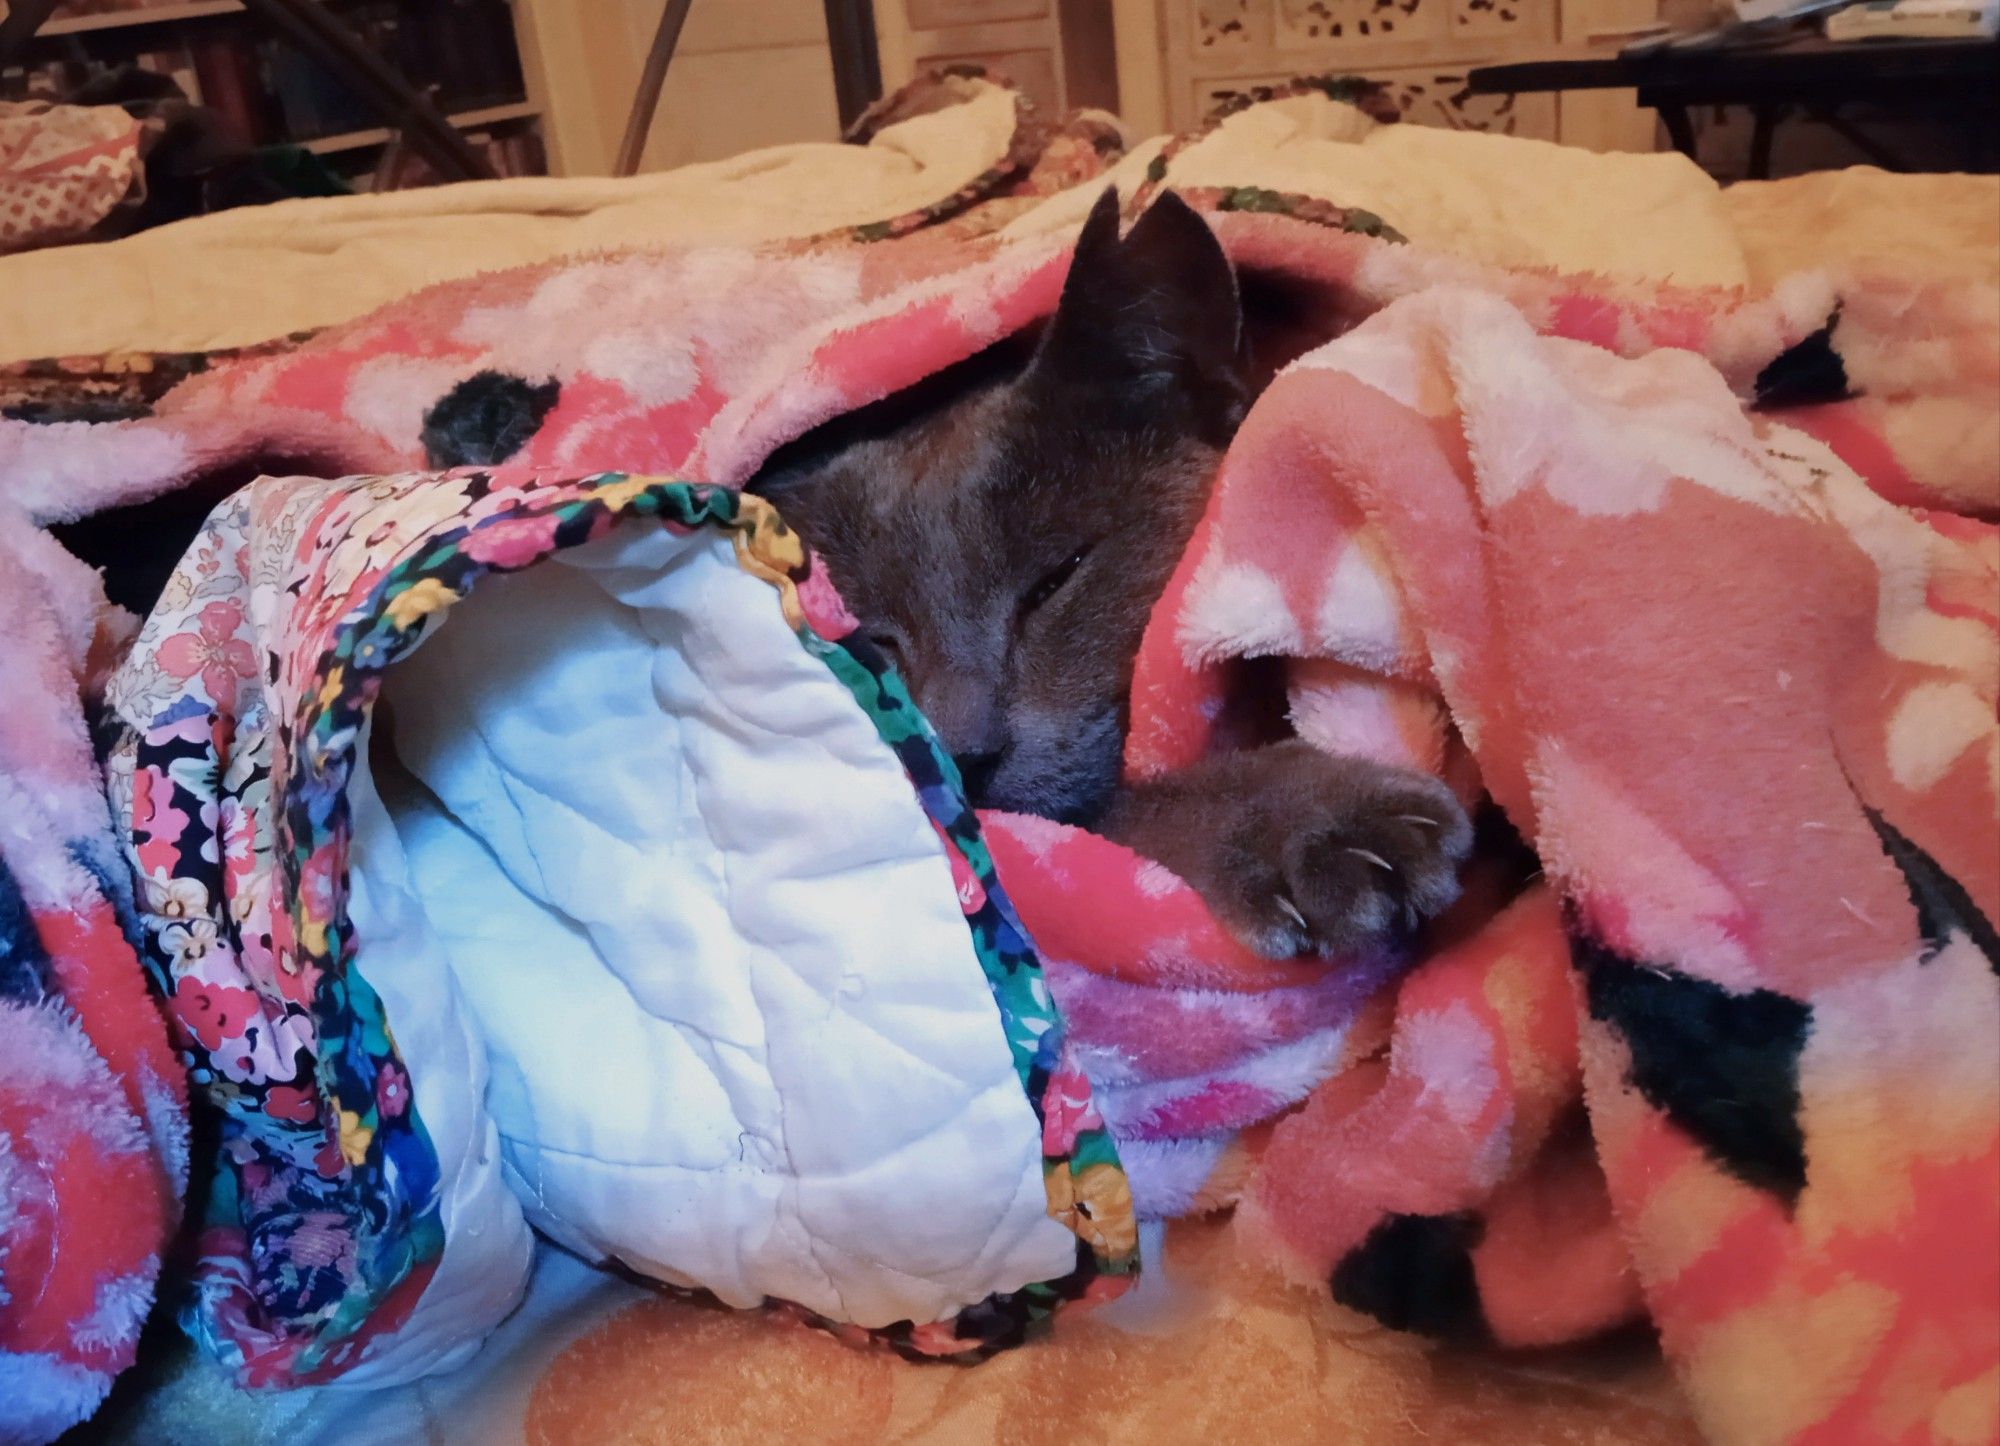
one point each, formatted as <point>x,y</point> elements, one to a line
<point>1419,819</point>
<point>1291,911</point>
<point>1372,857</point>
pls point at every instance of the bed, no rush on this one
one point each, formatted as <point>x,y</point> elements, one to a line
<point>1212,1344</point>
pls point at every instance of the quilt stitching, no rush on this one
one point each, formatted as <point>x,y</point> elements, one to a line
<point>323,1224</point>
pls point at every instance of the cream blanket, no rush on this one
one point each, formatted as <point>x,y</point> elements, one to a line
<point>247,276</point>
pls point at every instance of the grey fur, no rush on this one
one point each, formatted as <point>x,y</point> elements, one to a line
<point>1004,534</point>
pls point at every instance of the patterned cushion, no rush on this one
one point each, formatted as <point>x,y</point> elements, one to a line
<point>63,169</point>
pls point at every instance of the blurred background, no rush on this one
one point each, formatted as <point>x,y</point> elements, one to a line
<point>250,99</point>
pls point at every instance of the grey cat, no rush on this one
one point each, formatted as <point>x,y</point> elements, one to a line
<point>1002,533</point>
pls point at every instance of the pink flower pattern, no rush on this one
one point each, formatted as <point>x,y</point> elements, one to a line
<point>510,542</point>
<point>214,1014</point>
<point>1067,1110</point>
<point>213,651</point>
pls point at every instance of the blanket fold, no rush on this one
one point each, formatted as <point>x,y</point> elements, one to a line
<point>395,842</point>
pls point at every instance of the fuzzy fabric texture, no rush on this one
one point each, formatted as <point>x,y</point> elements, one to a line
<point>1733,1059</point>
<point>93,1124</point>
<point>1531,536</point>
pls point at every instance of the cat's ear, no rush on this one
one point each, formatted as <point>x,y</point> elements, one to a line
<point>1149,321</point>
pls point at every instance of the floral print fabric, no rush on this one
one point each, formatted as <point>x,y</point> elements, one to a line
<point>240,710</point>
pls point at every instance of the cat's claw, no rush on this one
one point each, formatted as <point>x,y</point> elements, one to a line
<point>1300,853</point>
<point>1358,867</point>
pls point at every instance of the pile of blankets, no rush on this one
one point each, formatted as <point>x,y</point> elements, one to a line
<point>1666,574</point>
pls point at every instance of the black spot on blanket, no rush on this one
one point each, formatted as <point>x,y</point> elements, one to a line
<point>1722,1066</point>
<point>486,418</point>
<point>1806,372</point>
<point>1414,1273</point>
<point>24,964</point>
<point>1943,906</point>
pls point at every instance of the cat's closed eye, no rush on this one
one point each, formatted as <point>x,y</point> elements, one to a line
<point>1051,582</point>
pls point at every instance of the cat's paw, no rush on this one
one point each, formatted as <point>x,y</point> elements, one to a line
<point>1356,856</point>
<point>1299,852</point>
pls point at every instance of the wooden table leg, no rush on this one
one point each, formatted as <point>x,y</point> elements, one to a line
<point>1680,130</point>
<point>857,65</point>
<point>1763,130</point>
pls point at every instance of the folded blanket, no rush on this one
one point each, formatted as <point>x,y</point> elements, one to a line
<point>1189,1039</point>
<point>330,1234</point>
<point>576,917</point>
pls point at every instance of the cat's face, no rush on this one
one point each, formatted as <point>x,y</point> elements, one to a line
<point>1005,545</point>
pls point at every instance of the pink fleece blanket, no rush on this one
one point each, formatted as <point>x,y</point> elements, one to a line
<point>93,1105</point>
<point>1744,709</point>
<point>1530,535</point>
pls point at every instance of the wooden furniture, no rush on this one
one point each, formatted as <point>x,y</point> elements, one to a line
<point>1958,80</point>
<point>1422,50</point>
<point>229,39</point>
<point>1165,64</point>
<point>857,59</point>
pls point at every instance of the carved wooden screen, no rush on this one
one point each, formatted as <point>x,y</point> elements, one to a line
<point>1421,49</point>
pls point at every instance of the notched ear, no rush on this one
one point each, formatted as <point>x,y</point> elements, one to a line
<point>1154,318</point>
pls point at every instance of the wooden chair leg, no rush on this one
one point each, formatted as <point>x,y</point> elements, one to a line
<point>1880,154</point>
<point>639,124</point>
<point>310,26</point>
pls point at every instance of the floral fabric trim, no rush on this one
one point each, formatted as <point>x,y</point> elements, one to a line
<point>1298,207</point>
<point>114,385</point>
<point>1369,97</point>
<point>242,706</point>
<point>1086,147</point>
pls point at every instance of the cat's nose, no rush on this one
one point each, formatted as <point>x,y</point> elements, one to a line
<point>978,769</point>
